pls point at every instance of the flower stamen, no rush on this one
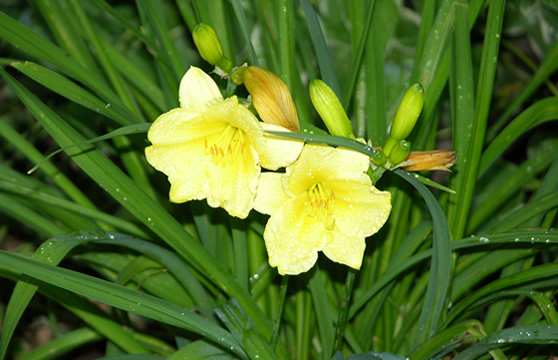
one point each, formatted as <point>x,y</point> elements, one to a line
<point>321,205</point>
<point>233,140</point>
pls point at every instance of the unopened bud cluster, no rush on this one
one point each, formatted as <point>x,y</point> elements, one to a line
<point>273,102</point>
<point>397,148</point>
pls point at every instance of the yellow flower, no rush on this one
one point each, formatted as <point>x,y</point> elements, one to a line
<point>323,202</point>
<point>213,148</point>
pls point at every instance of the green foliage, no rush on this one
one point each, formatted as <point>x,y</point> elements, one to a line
<point>90,232</point>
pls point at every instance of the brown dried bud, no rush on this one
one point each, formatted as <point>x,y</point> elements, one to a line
<point>430,160</point>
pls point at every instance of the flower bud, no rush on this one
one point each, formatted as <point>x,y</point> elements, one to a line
<point>389,145</point>
<point>378,158</point>
<point>331,111</point>
<point>407,113</point>
<point>209,47</point>
<point>270,96</point>
<point>399,152</point>
<point>430,160</point>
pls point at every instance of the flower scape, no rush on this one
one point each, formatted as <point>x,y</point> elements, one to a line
<point>324,200</point>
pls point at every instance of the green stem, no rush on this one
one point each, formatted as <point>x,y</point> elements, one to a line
<point>344,310</point>
<point>279,313</point>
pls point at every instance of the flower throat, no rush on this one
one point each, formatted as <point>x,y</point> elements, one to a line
<point>228,148</point>
<point>321,203</point>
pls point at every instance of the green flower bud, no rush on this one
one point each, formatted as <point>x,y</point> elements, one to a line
<point>330,109</point>
<point>407,113</point>
<point>378,158</point>
<point>389,145</point>
<point>399,152</point>
<point>209,47</point>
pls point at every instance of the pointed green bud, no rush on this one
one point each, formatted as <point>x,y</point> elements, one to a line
<point>399,152</point>
<point>407,113</point>
<point>209,47</point>
<point>330,109</point>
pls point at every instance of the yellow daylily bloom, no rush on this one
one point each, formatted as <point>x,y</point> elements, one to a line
<point>324,201</point>
<point>213,148</point>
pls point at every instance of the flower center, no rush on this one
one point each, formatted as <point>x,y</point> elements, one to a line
<point>230,144</point>
<point>321,204</point>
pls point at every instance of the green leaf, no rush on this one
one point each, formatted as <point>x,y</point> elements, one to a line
<point>141,205</point>
<point>526,212</point>
<point>122,298</point>
<point>125,130</point>
<point>70,90</point>
<point>536,114</point>
<point>531,335</point>
<point>155,25</point>
<point>440,268</point>
<point>466,127</point>
<point>320,47</point>
<point>200,350</point>
<point>546,68</point>
<point>14,185</point>
<point>241,18</point>
<point>30,42</point>
<point>515,280</point>
<point>530,168</point>
<point>64,343</point>
<point>243,330</point>
<point>326,316</point>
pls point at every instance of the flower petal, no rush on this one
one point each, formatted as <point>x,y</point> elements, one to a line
<point>279,151</point>
<point>360,208</point>
<point>179,125</point>
<point>293,239</point>
<point>183,163</point>
<point>197,89</point>
<point>348,250</point>
<point>209,153</point>
<point>233,185</point>
<point>270,194</point>
<point>347,164</point>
